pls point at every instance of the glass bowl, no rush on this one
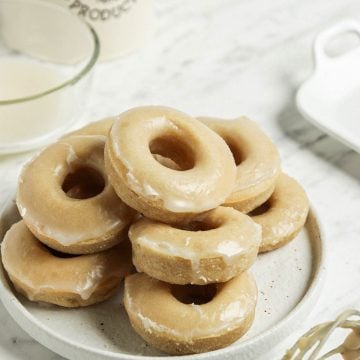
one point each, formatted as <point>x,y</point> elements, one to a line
<point>46,57</point>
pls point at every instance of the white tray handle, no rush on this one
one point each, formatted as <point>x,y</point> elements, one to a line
<point>320,56</point>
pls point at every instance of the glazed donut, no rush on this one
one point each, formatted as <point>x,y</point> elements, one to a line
<point>42,275</point>
<point>101,127</point>
<point>207,167</point>
<point>256,157</point>
<point>283,215</point>
<point>190,319</point>
<point>214,247</point>
<point>66,200</point>
<point>352,346</point>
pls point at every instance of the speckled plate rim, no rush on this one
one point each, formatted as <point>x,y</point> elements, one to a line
<point>250,348</point>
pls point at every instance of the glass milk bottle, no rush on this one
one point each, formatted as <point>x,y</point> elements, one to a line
<point>122,25</point>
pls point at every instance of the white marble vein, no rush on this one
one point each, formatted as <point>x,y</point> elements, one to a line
<point>227,58</point>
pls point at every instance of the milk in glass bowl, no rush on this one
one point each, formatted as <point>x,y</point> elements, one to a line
<point>46,57</point>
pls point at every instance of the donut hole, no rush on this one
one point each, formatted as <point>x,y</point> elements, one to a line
<point>194,294</point>
<point>83,183</point>
<point>167,162</point>
<point>172,152</point>
<point>235,150</point>
<point>262,209</point>
<point>197,225</point>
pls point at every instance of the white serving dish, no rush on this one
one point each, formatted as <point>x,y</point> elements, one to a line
<point>330,98</point>
<point>289,282</point>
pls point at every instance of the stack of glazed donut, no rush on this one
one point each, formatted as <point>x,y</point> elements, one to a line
<point>68,249</point>
<point>198,199</point>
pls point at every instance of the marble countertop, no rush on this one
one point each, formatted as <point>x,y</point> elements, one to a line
<point>226,58</point>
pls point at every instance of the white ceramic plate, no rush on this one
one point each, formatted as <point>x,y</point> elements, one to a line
<point>289,281</point>
<point>330,98</point>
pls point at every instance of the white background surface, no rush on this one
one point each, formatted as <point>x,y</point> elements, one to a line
<point>226,58</point>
